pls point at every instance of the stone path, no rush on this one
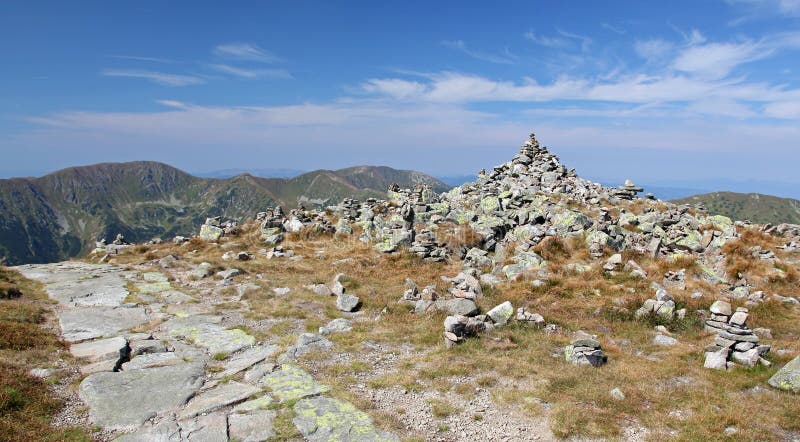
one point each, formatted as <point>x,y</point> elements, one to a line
<point>181,375</point>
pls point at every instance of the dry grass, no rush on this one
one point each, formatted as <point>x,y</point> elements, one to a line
<point>26,403</point>
<point>666,389</point>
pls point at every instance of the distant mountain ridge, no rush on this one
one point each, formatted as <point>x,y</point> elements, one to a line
<point>61,214</point>
<point>755,207</point>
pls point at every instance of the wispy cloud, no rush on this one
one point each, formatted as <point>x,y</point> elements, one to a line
<point>717,60</point>
<point>653,50</point>
<point>251,73</point>
<point>585,41</point>
<point>162,78</point>
<point>505,58</point>
<point>139,58</point>
<point>614,29</point>
<point>550,42</point>
<point>245,51</point>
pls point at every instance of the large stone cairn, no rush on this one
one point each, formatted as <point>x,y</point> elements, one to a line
<point>271,225</point>
<point>735,343</point>
<point>426,247</point>
<point>585,349</point>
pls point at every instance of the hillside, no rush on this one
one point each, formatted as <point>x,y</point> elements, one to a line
<point>755,207</point>
<point>60,215</point>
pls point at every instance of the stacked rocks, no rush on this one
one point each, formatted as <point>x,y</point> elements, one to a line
<point>663,305</point>
<point>735,342</point>
<point>271,225</point>
<point>425,246</point>
<point>458,328</point>
<point>465,285</point>
<point>627,191</point>
<point>530,318</point>
<point>585,349</point>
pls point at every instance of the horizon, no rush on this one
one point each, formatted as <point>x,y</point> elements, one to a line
<point>647,92</point>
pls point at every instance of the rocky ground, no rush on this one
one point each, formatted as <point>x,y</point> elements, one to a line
<point>529,305</point>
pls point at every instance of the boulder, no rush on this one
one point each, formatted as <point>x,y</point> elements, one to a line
<point>502,313</point>
<point>788,377</point>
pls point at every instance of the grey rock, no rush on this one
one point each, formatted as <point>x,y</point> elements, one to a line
<point>246,359</point>
<point>663,340</point>
<point>125,400</point>
<point>322,419</point>
<point>502,313</point>
<point>152,360</point>
<point>209,428</point>
<point>338,325</point>
<point>218,397</point>
<point>255,426</point>
<point>291,382</point>
<point>81,324</point>
<point>347,303</point>
<point>165,431</point>
<point>721,308</point>
<point>457,306</point>
<point>788,377</point>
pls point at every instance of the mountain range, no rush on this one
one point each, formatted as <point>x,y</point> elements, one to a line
<point>62,214</point>
<point>755,207</point>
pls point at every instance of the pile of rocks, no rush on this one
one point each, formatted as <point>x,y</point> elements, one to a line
<point>212,229</point>
<point>735,342</point>
<point>465,285</point>
<point>457,328</point>
<point>426,247</point>
<point>663,305</point>
<point>344,301</point>
<point>627,191</point>
<point>585,349</point>
<point>271,225</point>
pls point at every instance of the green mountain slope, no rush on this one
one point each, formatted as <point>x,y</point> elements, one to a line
<point>754,207</point>
<point>61,214</point>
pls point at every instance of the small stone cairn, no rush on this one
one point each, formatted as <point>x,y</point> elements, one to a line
<point>426,247</point>
<point>585,349</point>
<point>735,342</point>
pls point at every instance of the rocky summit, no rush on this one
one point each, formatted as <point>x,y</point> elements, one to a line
<point>528,305</point>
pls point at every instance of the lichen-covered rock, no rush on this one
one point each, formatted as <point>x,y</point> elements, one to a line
<point>291,382</point>
<point>502,313</point>
<point>322,419</point>
<point>788,377</point>
<point>210,233</point>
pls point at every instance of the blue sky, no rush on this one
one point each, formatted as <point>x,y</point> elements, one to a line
<point>667,92</point>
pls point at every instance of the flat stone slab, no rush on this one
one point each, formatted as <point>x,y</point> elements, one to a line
<point>218,397</point>
<point>101,349</point>
<point>261,403</point>
<point>85,323</point>
<point>152,360</point>
<point>175,297</point>
<point>205,331</point>
<point>246,359</point>
<point>153,287</point>
<point>165,431</point>
<point>80,284</point>
<point>255,426</point>
<point>208,428</point>
<point>125,400</point>
<point>324,419</point>
<point>291,382</point>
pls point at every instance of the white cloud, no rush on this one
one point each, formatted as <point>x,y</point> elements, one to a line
<point>139,58</point>
<point>251,73</point>
<point>245,51</point>
<point>717,60</point>
<point>505,58</point>
<point>653,50</point>
<point>161,78</point>
<point>550,42</point>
